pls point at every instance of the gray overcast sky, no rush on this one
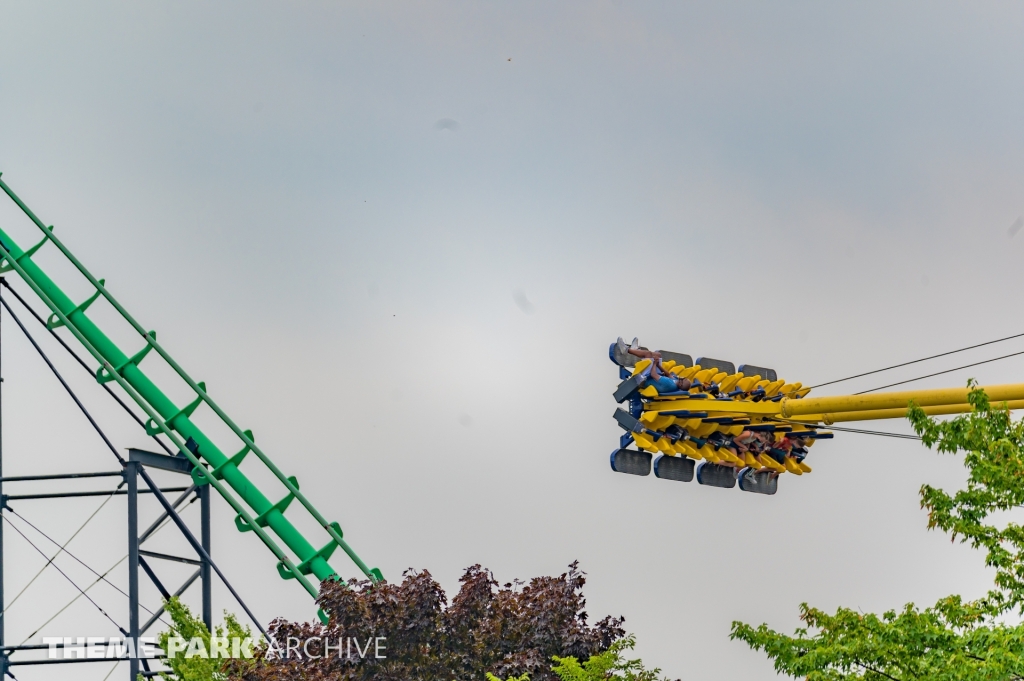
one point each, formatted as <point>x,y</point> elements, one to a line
<point>396,240</point>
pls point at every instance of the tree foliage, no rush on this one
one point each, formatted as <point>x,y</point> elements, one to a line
<point>954,639</point>
<point>506,630</point>
<point>606,666</point>
<point>187,626</point>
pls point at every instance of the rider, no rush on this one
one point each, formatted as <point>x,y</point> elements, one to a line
<point>756,444</point>
<point>658,377</point>
<point>794,447</point>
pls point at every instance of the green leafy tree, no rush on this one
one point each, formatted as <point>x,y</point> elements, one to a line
<point>199,667</point>
<point>953,640</point>
<point>606,666</point>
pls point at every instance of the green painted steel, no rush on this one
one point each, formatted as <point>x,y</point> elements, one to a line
<point>175,422</point>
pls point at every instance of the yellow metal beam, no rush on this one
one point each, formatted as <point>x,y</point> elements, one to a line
<point>895,401</point>
<point>847,407</point>
<point>878,414</point>
<point>718,407</point>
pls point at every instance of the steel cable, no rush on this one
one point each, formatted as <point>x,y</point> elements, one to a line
<point>59,551</point>
<point>923,359</point>
<point>901,436</point>
<point>78,560</point>
<point>939,373</point>
<point>88,588</point>
<point>63,574</point>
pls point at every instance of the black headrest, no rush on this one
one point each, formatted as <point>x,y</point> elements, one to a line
<point>680,358</point>
<point>754,370</point>
<point>720,364</point>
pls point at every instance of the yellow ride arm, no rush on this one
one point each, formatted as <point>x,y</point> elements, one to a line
<point>842,408</point>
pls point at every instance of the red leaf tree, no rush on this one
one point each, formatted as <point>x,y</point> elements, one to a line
<point>506,630</point>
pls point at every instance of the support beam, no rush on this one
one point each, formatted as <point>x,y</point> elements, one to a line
<point>156,615</point>
<point>175,464</point>
<point>153,578</point>
<point>63,476</point>
<point>166,556</point>
<point>163,516</point>
<point>100,493</point>
<point>204,509</point>
<point>131,474</point>
<point>898,413</point>
<point>843,407</point>
<point>3,503</point>
<point>898,400</point>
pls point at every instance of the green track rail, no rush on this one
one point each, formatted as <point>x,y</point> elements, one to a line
<point>255,511</point>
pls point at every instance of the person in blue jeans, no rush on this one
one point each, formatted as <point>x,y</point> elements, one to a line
<point>657,377</point>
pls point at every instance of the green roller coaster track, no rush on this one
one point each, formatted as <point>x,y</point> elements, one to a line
<point>255,511</point>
